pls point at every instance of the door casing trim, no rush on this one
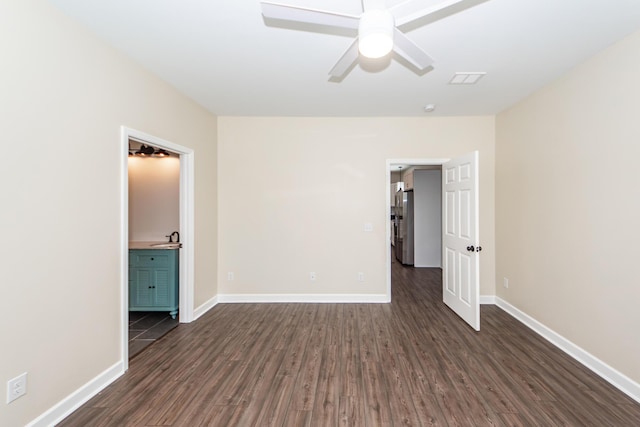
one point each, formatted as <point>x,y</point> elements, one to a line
<point>389,162</point>
<point>187,219</point>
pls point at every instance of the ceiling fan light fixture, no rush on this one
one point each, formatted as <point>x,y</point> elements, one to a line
<point>375,33</point>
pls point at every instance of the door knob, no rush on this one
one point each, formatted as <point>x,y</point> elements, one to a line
<point>470,248</point>
<point>479,248</point>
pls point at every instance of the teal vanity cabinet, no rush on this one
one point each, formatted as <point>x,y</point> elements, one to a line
<point>153,280</point>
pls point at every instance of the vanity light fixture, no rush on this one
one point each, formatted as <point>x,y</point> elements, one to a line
<point>161,152</point>
<point>145,150</point>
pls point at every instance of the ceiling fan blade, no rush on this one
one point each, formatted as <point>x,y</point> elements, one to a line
<point>410,51</point>
<point>411,10</point>
<point>310,16</point>
<point>346,61</point>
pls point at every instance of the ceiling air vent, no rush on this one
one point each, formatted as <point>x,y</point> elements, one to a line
<point>466,78</point>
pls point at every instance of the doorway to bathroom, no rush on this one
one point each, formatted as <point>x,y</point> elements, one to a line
<point>157,239</point>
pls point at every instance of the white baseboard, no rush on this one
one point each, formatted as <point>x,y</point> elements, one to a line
<point>303,298</point>
<point>79,397</point>
<point>202,309</point>
<point>611,375</point>
<point>488,299</point>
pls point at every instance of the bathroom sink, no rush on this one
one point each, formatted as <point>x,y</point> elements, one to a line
<point>167,245</point>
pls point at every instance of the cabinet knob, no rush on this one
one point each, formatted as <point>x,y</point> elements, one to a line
<point>151,259</point>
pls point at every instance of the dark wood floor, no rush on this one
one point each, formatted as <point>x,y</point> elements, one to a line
<point>411,362</point>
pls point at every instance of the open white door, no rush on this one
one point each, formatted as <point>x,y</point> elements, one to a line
<point>460,286</point>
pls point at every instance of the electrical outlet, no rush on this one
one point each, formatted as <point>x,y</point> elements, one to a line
<point>505,283</point>
<point>368,226</point>
<point>16,387</point>
<point>312,276</point>
<point>230,276</point>
<point>360,277</point>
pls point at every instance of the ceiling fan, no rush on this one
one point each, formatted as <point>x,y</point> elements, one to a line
<point>377,27</point>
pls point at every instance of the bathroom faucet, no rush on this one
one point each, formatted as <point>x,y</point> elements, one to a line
<point>170,236</point>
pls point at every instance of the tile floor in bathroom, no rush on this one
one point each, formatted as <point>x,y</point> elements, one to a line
<point>145,327</point>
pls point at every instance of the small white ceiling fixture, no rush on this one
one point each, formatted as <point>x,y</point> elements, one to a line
<point>466,78</point>
<point>377,27</point>
<point>429,108</point>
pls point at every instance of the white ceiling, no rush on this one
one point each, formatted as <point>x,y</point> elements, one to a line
<point>222,54</point>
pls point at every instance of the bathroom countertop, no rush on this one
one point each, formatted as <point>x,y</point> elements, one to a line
<point>147,245</point>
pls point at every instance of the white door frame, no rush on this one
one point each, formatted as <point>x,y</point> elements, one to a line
<point>186,229</point>
<point>412,162</point>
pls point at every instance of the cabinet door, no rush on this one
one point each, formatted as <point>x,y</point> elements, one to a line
<point>142,291</point>
<point>408,180</point>
<point>163,286</point>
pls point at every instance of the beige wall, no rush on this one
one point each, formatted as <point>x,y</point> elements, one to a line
<point>295,193</point>
<point>64,97</point>
<point>154,198</point>
<point>566,177</point>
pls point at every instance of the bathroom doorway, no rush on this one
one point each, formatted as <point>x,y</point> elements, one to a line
<point>157,189</point>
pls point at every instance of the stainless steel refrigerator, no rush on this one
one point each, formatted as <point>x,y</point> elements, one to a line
<point>404,227</point>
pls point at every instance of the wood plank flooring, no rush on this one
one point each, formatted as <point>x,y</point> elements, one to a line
<point>408,363</point>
